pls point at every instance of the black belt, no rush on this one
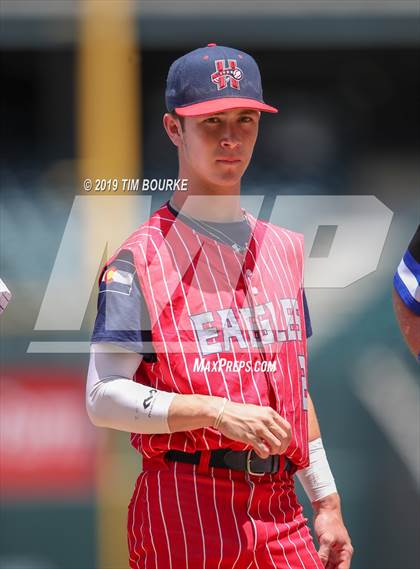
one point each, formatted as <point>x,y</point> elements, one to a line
<point>246,460</point>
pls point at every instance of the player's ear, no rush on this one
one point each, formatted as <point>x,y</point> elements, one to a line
<point>173,128</point>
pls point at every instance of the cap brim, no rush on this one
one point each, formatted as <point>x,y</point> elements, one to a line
<point>219,105</point>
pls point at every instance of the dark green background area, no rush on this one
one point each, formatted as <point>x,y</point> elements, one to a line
<point>48,536</point>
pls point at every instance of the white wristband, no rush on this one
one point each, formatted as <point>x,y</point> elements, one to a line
<point>317,479</point>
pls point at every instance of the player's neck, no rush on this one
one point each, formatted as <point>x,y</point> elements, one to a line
<point>201,201</point>
<point>213,207</point>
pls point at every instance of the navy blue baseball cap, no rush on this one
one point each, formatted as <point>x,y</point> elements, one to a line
<point>212,79</point>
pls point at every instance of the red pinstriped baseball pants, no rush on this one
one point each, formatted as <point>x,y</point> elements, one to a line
<point>179,518</point>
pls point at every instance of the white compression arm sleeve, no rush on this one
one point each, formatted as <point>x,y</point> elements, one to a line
<point>114,400</point>
<point>317,479</point>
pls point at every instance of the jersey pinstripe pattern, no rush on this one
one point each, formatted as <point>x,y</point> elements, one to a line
<point>210,304</point>
<point>183,273</point>
<point>182,518</point>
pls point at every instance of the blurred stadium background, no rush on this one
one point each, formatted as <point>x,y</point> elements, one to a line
<point>83,95</point>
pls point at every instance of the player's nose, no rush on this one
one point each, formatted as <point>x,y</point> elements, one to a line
<point>230,136</point>
<point>230,139</point>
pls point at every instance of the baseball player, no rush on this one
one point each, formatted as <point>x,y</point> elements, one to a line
<point>203,307</point>
<point>406,295</point>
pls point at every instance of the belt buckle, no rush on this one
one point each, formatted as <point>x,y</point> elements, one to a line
<point>248,465</point>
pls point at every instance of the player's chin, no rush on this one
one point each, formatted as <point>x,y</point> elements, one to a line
<point>227,181</point>
<point>231,174</point>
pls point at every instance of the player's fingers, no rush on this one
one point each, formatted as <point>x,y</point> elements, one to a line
<point>344,564</point>
<point>274,442</point>
<point>345,557</point>
<point>324,552</point>
<point>324,561</point>
<point>260,447</point>
<point>281,422</point>
<point>282,436</point>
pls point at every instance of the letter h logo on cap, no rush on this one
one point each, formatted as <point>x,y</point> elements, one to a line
<point>224,74</point>
<point>193,78</point>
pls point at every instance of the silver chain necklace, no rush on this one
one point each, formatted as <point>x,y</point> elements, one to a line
<point>210,229</point>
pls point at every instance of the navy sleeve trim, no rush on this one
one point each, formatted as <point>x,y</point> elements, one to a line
<point>405,295</point>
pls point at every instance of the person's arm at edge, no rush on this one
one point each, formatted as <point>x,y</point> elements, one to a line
<point>333,538</point>
<point>408,322</point>
<point>331,500</point>
<point>406,295</point>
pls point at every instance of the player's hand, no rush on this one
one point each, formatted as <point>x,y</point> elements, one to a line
<point>335,548</point>
<point>261,427</point>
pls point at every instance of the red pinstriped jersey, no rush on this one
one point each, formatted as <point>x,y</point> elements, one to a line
<point>223,323</point>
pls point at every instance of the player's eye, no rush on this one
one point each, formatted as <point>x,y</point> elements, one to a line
<point>247,118</point>
<point>212,120</point>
